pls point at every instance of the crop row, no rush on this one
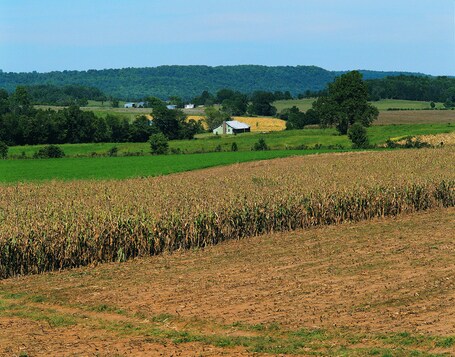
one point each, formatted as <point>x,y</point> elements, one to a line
<point>58,225</point>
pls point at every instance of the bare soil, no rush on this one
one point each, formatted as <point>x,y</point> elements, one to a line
<point>367,279</point>
<point>415,117</point>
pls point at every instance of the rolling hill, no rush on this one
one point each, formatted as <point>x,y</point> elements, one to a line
<point>187,81</point>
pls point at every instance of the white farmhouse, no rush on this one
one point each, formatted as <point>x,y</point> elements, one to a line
<point>232,127</point>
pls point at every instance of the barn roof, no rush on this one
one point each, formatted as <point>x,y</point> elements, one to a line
<point>234,124</point>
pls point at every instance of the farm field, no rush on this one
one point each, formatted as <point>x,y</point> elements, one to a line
<point>382,105</point>
<point>58,224</point>
<point>383,287</point>
<point>129,166</point>
<point>282,140</point>
<point>397,117</point>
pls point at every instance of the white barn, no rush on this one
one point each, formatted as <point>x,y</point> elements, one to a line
<point>232,127</point>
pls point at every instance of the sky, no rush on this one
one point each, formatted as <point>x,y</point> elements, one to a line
<point>385,35</point>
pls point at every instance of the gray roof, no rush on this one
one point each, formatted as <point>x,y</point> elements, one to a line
<point>234,124</point>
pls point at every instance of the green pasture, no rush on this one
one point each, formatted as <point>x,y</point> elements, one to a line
<point>12,171</point>
<point>282,140</point>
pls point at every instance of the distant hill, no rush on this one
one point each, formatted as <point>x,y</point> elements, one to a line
<point>187,81</point>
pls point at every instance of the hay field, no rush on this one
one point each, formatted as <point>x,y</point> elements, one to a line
<point>257,124</point>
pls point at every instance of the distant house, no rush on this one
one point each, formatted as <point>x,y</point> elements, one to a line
<point>171,106</point>
<point>189,106</point>
<point>232,127</point>
<point>135,105</point>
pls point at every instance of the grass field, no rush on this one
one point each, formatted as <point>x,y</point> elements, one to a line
<point>276,140</point>
<point>127,167</point>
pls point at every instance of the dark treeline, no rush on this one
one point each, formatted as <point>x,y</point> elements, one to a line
<point>186,81</point>
<point>235,103</point>
<point>22,124</point>
<point>64,95</point>
<point>437,89</point>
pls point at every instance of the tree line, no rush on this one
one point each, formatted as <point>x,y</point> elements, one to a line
<point>22,124</point>
<point>185,81</point>
<point>64,95</point>
<point>437,89</point>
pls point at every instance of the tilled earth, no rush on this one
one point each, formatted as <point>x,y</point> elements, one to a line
<point>362,282</point>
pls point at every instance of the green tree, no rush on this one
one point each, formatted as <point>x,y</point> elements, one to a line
<point>346,103</point>
<point>214,118</point>
<point>159,144</point>
<point>4,102</point>
<point>153,102</point>
<point>358,135</point>
<point>261,104</point>
<point>205,98</point>
<point>172,123</point>
<point>261,145</point>
<point>49,152</point>
<point>20,103</point>
<point>114,102</point>
<point>3,150</point>
<point>141,129</point>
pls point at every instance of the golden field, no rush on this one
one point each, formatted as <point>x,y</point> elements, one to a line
<point>57,225</point>
<point>257,124</point>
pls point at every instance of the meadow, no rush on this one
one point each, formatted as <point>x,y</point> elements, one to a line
<point>310,138</point>
<point>58,225</point>
<point>98,168</point>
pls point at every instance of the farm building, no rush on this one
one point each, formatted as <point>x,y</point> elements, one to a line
<point>232,127</point>
<point>189,106</point>
<point>171,106</point>
<point>134,105</point>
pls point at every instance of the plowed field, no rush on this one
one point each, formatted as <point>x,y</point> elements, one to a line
<point>381,287</point>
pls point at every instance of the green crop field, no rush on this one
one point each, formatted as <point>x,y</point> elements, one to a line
<point>275,140</point>
<point>127,167</point>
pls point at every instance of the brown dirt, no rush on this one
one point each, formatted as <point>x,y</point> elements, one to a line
<point>373,277</point>
<point>415,117</point>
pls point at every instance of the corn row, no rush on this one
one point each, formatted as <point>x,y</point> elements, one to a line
<point>58,225</point>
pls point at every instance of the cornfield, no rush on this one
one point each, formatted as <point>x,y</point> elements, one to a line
<point>57,225</point>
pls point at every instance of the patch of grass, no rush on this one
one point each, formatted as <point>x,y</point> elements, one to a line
<point>446,342</point>
<point>269,339</point>
<point>163,318</point>
<point>38,298</point>
<point>127,167</point>
<point>14,296</point>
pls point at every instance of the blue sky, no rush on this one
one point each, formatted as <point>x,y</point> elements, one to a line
<point>402,35</point>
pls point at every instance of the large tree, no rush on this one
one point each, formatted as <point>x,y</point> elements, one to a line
<point>261,104</point>
<point>346,103</point>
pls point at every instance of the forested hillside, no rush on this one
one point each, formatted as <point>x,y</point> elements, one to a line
<point>186,81</point>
